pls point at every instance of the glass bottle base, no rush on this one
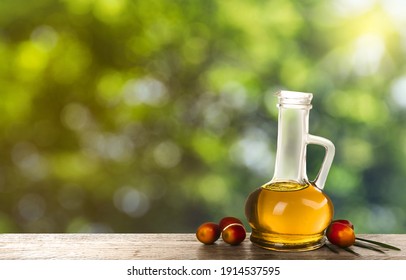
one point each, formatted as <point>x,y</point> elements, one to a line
<point>287,242</point>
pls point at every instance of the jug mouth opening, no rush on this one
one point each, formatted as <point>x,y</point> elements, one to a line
<point>294,99</point>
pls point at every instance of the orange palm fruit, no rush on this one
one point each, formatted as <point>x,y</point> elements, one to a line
<point>208,233</point>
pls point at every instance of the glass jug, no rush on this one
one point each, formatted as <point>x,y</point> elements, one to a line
<point>291,213</point>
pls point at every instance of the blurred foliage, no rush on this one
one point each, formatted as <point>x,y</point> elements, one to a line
<point>154,116</point>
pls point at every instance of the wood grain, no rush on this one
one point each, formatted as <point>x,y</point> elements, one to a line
<point>169,246</point>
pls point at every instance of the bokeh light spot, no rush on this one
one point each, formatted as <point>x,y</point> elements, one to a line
<point>76,116</point>
<point>253,151</point>
<point>398,91</point>
<point>234,95</point>
<point>368,52</point>
<point>109,88</point>
<point>214,189</point>
<point>26,156</point>
<point>31,60</point>
<point>357,153</point>
<point>131,201</point>
<point>350,8</point>
<point>31,207</point>
<point>109,10</point>
<point>145,91</point>
<point>167,154</point>
<point>45,37</point>
<point>118,147</point>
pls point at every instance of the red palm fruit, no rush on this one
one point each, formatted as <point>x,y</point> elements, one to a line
<point>227,221</point>
<point>208,233</point>
<point>340,234</point>
<point>234,234</point>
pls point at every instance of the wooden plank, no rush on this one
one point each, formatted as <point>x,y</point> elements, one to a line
<point>166,247</point>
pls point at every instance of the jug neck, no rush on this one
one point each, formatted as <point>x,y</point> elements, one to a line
<point>293,127</point>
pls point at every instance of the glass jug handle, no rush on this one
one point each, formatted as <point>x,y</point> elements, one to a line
<point>321,177</point>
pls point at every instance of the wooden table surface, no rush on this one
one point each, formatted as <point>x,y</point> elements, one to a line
<point>154,246</point>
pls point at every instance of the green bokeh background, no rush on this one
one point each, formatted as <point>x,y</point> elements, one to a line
<point>158,115</point>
